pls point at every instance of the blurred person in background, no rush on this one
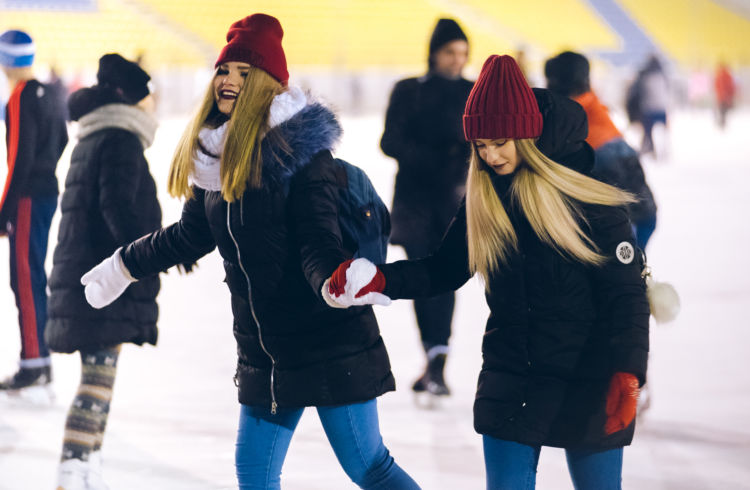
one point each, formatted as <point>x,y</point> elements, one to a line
<point>616,162</point>
<point>260,183</point>
<point>726,90</point>
<point>423,133</point>
<point>109,200</point>
<point>566,342</point>
<point>648,101</point>
<point>36,136</point>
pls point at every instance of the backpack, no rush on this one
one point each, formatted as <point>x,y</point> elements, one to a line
<point>363,218</point>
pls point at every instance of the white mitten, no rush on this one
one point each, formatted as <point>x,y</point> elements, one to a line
<point>107,281</point>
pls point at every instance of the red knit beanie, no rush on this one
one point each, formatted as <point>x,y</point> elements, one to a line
<point>256,40</point>
<point>501,104</point>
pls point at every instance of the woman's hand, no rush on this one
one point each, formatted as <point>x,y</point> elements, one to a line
<point>107,281</point>
<point>355,282</point>
<point>622,400</point>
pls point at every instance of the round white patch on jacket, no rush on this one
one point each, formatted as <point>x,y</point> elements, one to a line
<point>625,252</point>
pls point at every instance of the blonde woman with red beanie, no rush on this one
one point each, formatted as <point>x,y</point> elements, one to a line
<point>566,342</point>
<point>261,185</point>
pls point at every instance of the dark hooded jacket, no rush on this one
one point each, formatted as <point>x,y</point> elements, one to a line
<point>109,201</point>
<point>279,244</point>
<point>423,132</point>
<point>558,329</point>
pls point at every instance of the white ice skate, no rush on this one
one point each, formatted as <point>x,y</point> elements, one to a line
<point>71,475</point>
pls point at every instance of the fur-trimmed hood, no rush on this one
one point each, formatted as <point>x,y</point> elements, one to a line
<point>312,129</point>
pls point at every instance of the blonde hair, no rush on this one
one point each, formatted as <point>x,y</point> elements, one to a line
<point>241,161</point>
<point>547,193</point>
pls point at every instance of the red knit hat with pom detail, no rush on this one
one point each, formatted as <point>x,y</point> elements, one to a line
<point>256,40</point>
<point>501,104</point>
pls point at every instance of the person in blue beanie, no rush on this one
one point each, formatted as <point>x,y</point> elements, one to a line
<point>36,136</point>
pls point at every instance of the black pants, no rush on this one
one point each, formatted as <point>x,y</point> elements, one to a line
<point>435,314</point>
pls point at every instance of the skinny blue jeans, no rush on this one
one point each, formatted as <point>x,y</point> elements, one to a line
<point>353,431</point>
<point>512,466</point>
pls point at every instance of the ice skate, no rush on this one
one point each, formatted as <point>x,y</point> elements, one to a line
<point>95,479</point>
<point>32,385</point>
<point>71,475</point>
<point>430,387</point>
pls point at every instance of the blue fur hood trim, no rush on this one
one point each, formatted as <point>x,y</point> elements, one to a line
<point>311,130</point>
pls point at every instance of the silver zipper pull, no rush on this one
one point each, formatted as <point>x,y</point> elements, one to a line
<point>273,408</point>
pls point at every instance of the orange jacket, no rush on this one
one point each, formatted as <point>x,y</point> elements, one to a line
<point>601,128</point>
<point>724,85</point>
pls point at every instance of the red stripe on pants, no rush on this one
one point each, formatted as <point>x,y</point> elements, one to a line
<point>23,272</point>
<point>14,121</point>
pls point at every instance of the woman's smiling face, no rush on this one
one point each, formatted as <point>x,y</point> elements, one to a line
<point>228,81</point>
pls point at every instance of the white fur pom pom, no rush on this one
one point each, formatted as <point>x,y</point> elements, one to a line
<point>663,299</point>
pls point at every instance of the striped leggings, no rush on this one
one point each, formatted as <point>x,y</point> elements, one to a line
<point>87,417</point>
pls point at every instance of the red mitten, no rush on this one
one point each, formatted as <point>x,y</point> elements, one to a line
<point>355,282</point>
<point>622,399</point>
<point>376,285</point>
<point>337,282</point>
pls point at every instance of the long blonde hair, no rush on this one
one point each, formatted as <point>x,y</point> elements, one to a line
<point>241,162</point>
<point>547,193</point>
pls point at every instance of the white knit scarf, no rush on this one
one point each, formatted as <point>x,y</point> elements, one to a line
<point>206,174</point>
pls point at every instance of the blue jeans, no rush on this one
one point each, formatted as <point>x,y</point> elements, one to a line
<point>512,466</point>
<point>353,431</point>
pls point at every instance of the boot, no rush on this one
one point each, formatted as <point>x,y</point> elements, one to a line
<point>71,475</point>
<point>436,384</point>
<point>27,377</point>
<point>432,380</point>
<point>95,479</point>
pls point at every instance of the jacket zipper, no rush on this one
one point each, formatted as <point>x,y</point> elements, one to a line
<point>252,308</point>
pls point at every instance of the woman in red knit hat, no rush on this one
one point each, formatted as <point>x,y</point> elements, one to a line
<point>566,343</point>
<point>260,184</point>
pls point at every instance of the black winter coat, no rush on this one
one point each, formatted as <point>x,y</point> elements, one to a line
<point>424,133</point>
<point>109,200</point>
<point>36,136</point>
<point>279,244</point>
<point>558,329</point>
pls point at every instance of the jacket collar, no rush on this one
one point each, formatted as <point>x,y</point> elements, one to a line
<point>123,116</point>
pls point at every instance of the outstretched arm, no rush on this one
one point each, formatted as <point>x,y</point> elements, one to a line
<point>183,242</point>
<point>359,281</point>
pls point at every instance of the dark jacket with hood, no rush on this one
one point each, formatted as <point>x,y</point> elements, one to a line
<point>109,201</point>
<point>279,244</point>
<point>558,329</point>
<point>424,133</point>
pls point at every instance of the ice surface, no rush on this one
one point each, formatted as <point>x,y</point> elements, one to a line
<point>174,414</point>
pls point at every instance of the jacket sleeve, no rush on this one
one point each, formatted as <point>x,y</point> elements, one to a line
<point>22,139</point>
<point>183,242</point>
<point>119,177</point>
<point>397,140</point>
<point>313,204</point>
<point>446,270</point>
<point>620,291</point>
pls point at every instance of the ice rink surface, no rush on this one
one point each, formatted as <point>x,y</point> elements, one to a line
<point>174,415</point>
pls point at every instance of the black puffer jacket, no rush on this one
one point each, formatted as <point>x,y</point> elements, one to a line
<point>279,243</point>
<point>36,131</point>
<point>423,133</point>
<point>558,329</point>
<point>109,201</point>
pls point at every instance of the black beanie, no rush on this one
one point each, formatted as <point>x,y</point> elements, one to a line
<point>567,74</point>
<point>125,77</point>
<point>446,30</point>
